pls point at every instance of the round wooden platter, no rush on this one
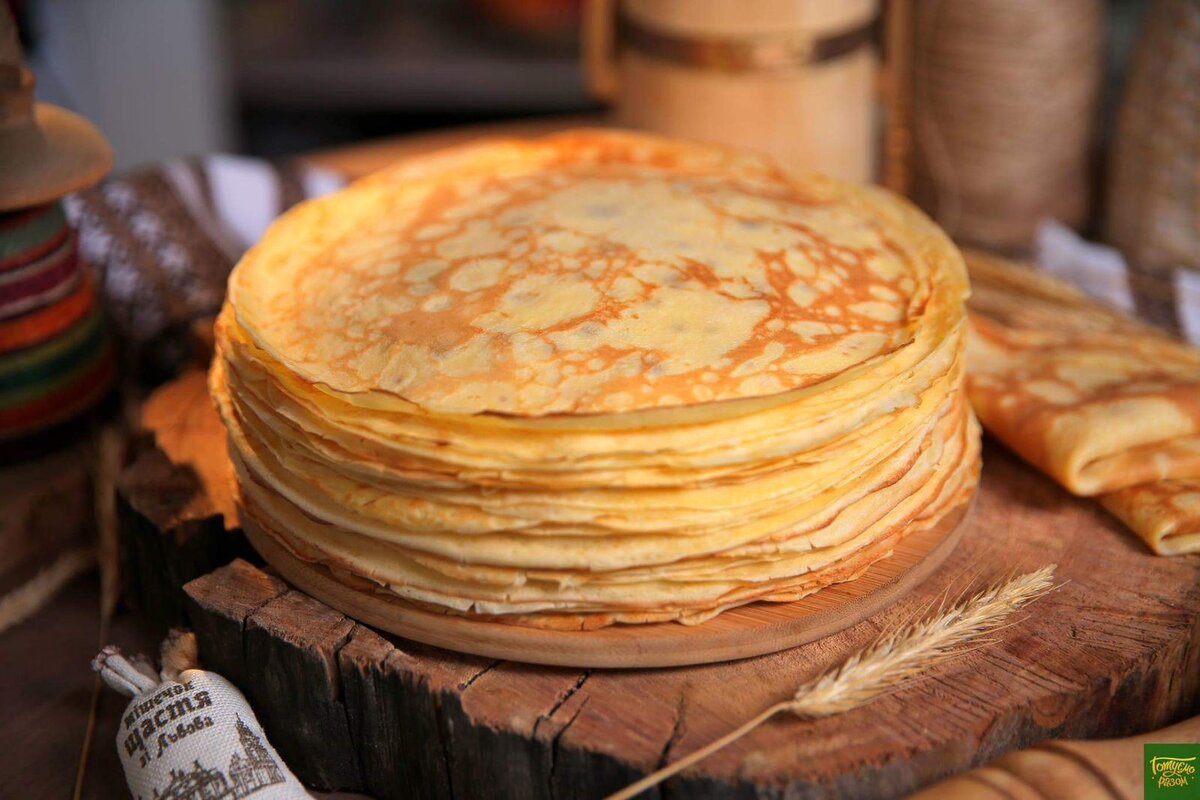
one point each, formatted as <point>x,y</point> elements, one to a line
<point>751,630</point>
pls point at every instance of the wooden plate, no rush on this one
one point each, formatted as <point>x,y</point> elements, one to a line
<point>750,630</point>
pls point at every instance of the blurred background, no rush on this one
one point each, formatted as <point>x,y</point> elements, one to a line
<point>275,77</point>
<point>1016,124</point>
<point>1022,126</point>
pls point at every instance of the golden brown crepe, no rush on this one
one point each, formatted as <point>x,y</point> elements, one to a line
<point>1166,514</point>
<point>595,378</point>
<point>1099,402</point>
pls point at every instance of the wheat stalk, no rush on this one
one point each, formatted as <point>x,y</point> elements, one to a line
<point>33,595</point>
<point>894,660</point>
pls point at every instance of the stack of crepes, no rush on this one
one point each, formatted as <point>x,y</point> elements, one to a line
<point>1103,404</point>
<point>596,378</point>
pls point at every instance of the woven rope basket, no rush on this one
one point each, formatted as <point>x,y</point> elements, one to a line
<point>1005,114</point>
<point>1153,206</point>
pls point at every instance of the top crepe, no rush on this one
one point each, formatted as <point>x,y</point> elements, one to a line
<point>589,274</point>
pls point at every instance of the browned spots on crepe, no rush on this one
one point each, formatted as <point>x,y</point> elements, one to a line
<point>583,273</point>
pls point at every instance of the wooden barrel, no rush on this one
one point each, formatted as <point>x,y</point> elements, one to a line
<point>792,79</point>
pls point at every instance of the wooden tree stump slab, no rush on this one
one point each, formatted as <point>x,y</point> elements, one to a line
<point>1114,651</point>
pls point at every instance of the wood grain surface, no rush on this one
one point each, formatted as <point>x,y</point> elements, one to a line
<point>1111,653</point>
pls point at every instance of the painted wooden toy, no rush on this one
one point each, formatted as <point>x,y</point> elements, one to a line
<point>56,356</point>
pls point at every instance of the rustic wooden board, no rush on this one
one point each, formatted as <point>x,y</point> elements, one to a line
<point>751,630</point>
<point>1113,652</point>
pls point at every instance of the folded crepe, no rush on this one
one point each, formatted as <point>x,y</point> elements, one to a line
<point>596,378</point>
<point>1166,514</point>
<point>1106,406</point>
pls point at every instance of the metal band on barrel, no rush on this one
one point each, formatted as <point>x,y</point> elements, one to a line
<point>761,53</point>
